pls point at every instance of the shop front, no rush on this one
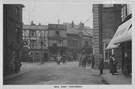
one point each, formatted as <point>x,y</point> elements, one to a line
<point>123,39</point>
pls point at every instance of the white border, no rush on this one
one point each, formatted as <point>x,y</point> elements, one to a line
<point>52,86</point>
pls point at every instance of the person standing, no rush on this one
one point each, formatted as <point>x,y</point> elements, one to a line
<point>113,64</point>
<point>83,59</point>
<point>93,61</point>
<point>80,60</point>
<point>101,64</point>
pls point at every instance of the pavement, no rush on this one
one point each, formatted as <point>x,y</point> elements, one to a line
<point>117,79</point>
<point>26,68</point>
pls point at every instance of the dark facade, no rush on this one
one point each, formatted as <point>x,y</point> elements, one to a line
<point>57,40</point>
<point>106,19</point>
<point>79,38</point>
<point>125,41</point>
<point>12,28</point>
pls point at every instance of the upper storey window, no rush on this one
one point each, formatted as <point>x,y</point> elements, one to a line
<point>107,5</point>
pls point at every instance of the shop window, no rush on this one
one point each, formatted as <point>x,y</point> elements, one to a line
<point>107,53</point>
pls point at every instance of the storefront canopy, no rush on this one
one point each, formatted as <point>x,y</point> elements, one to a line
<point>123,34</point>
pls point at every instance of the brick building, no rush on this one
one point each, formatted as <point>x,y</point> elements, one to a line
<point>12,32</point>
<point>123,39</point>
<point>35,39</point>
<point>106,19</point>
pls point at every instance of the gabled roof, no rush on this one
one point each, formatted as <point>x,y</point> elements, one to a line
<point>35,27</point>
<point>86,31</point>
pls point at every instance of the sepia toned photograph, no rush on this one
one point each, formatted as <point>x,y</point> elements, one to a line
<point>67,43</point>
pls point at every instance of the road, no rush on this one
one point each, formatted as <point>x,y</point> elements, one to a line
<point>51,73</point>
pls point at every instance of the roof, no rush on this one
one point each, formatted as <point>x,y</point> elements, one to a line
<point>35,27</point>
<point>87,31</point>
<point>72,31</point>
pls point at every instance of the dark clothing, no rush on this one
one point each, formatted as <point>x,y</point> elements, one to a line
<point>113,65</point>
<point>101,66</point>
<point>93,61</point>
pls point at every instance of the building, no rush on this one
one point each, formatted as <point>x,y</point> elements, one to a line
<point>79,38</point>
<point>12,32</point>
<point>35,40</point>
<point>123,39</point>
<point>106,19</point>
<point>57,39</point>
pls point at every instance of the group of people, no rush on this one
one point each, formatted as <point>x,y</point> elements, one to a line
<point>61,58</point>
<point>13,63</point>
<point>86,59</point>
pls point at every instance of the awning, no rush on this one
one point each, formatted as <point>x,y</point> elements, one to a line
<point>127,36</point>
<point>122,34</point>
<point>111,45</point>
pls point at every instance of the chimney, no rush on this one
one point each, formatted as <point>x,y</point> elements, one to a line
<point>81,25</point>
<point>39,24</point>
<point>72,24</point>
<point>32,23</point>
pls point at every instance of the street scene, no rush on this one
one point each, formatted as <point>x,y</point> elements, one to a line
<point>67,43</point>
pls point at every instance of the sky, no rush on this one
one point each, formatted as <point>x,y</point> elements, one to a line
<point>50,12</point>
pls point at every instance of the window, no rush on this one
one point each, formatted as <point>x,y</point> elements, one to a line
<point>59,43</point>
<point>33,44</point>
<point>57,33</point>
<point>124,12</point>
<point>86,43</point>
<point>32,33</point>
<point>75,43</point>
<point>54,44</point>
<point>107,53</point>
<point>107,5</point>
<point>17,10</point>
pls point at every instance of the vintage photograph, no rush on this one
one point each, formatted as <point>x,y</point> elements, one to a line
<point>67,43</point>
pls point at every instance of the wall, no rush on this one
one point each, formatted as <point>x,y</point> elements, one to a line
<point>52,33</point>
<point>96,33</point>
<point>70,38</point>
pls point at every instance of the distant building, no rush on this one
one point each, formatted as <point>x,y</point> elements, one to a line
<point>57,39</point>
<point>79,38</point>
<point>12,31</point>
<point>106,19</point>
<point>35,39</point>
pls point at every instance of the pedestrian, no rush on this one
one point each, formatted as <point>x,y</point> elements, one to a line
<point>80,60</point>
<point>101,64</point>
<point>113,64</point>
<point>63,59</point>
<point>58,59</point>
<point>93,61</point>
<point>83,59</point>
